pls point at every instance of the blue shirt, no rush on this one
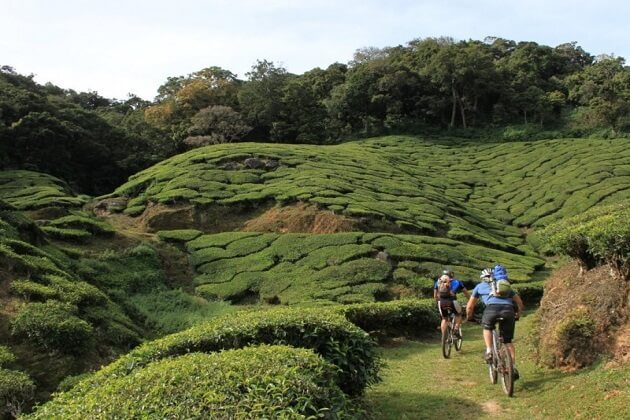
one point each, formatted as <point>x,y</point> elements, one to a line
<point>456,286</point>
<point>483,290</point>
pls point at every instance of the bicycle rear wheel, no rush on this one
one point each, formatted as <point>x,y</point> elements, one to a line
<point>447,341</point>
<point>507,371</point>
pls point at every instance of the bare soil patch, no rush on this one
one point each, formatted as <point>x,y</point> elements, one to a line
<point>583,315</point>
<point>300,218</point>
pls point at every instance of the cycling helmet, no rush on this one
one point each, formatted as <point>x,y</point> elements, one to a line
<point>448,273</point>
<point>486,273</point>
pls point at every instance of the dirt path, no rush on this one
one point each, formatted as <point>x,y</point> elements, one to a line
<point>418,383</point>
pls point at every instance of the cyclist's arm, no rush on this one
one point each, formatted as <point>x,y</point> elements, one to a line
<point>466,292</point>
<point>519,303</point>
<point>470,307</point>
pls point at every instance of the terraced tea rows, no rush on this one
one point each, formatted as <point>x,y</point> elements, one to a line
<point>457,191</point>
<point>27,190</point>
<point>344,267</point>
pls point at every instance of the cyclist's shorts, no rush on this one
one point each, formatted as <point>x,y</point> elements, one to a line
<point>506,328</point>
<point>447,306</point>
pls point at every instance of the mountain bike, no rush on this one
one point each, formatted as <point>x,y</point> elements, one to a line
<point>449,338</point>
<point>502,364</point>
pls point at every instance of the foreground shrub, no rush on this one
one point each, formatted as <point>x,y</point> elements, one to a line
<point>52,326</point>
<point>16,389</point>
<point>601,235</point>
<point>572,341</point>
<point>330,335</point>
<point>256,382</point>
<point>409,318</point>
<point>531,292</point>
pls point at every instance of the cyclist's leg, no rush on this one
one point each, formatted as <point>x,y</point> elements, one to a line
<point>488,321</point>
<point>507,330</point>
<point>443,315</point>
<point>458,315</point>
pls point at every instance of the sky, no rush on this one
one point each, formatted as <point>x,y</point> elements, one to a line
<point>119,47</point>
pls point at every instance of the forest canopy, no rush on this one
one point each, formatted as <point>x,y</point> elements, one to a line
<point>495,88</point>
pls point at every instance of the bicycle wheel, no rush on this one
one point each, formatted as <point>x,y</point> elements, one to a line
<point>492,367</point>
<point>492,371</point>
<point>459,340</point>
<point>507,371</point>
<point>447,341</point>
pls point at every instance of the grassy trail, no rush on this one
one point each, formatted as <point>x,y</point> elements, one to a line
<point>419,383</point>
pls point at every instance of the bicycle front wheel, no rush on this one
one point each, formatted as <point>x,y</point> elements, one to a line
<point>507,371</point>
<point>459,340</point>
<point>447,342</point>
<point>492,372</point>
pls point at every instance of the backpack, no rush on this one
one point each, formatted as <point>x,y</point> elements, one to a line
<point>444,287</point>
<point>500,284</point>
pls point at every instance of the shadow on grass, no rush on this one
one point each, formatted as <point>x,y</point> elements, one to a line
<point>418,405</point>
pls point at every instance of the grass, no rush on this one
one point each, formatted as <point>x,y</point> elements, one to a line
<point>418,383</point>
<point>169,311</point>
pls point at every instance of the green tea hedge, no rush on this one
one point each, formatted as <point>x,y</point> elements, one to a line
<point>410,318</point>
<point>601,235</point>
<point>330,335</point>
<point>255,382</point>
<point>52,325</point>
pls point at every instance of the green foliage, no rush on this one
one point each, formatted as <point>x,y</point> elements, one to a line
<point>27,190</point>
<point>16,389</point>
<point>6,356</point>
<point>330,335</point>
<point>599,235</point>
<point>296,268</point>
<point>572,343</point>
<point>70,235</point>
<point>91,225</point>
<point>256,382</point>
<point>170,311</point>
<point>53,326</point>
<point>182,235</point>
<point>409,318</point>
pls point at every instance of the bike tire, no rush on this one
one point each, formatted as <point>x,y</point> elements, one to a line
<point>493,372</point>
<point>507,371</point>
<point>459,341</point>
<point>447,342</point>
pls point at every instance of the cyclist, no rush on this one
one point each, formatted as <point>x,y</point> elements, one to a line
<point>497,306</point>
<point>445,293</point>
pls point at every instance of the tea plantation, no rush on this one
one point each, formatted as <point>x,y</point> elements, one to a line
<point>377,220</point>
<point>297,268</point>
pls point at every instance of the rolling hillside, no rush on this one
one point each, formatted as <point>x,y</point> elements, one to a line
<point>84,280</point>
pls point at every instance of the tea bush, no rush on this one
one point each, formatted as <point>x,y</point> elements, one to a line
<point>53,326</point>
<point>601,235</point>
<point>27,190</point>
<point>16,389</point>
<point>255,382</point>
<point>330,335</point>
<point>409,318</point>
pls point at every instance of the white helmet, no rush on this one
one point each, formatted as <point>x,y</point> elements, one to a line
<point>486,273</point>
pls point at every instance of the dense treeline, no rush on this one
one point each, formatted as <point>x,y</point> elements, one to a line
<point>520,89</point>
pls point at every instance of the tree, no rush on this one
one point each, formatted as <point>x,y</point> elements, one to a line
<point>216,124</point>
